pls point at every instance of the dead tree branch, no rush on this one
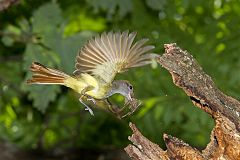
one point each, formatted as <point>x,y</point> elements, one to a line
<point>225,137</point>
<point>5,4</point>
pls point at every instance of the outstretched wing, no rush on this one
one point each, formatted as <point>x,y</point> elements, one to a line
<point>110,53</point>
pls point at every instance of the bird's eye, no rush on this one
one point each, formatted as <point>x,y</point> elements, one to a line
<point>130,87</point>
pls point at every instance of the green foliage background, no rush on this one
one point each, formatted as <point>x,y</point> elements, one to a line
<point>52,32</point>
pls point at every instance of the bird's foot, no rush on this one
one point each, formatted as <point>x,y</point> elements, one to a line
<point>91,99</point>
<point>87,108</point>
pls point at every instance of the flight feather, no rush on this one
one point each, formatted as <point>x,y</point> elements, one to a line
<point>110,53</point>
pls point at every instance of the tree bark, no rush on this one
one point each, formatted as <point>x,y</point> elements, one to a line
<point>5,4</point>
<point>225,110</point>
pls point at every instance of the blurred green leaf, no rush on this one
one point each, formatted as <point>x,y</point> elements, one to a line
<point>46,18</point>
<point>9,35</point>
<point>7,41</point>
<point>42,96</point>
<point>49,138</point>
<point>68,47</point>
<point>80,20</point>
<point>156,4</point>
<point>124,6</point>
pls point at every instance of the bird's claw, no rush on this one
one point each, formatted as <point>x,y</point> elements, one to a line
<point>89,110</point>
<point>86,107</point>
<point>91,99</point>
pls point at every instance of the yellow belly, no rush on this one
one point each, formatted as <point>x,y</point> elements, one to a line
<point>100,92</point>
<point>97,89</point>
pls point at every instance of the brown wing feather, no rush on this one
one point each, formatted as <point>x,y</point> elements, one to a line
<point>110,53</point>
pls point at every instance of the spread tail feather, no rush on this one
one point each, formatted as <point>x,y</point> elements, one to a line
<point>45,75</point>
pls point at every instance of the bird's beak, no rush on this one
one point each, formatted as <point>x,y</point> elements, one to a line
<point>128,98</point>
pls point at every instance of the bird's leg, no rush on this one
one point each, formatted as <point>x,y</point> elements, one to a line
<point>113,109</point>
<point>87,108</point>
<point>110,106</point>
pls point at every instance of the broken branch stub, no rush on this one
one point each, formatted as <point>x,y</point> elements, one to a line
<point>188,75</point>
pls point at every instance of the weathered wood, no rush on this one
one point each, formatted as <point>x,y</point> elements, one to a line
<point>188,75</point>
<point>225,137</point>
<point>5,4</point>
<point>142,148</point>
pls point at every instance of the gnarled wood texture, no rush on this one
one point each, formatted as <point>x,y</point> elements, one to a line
<point>225,136</point>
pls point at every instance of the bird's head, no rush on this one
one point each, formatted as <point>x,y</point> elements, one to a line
<point>124,88</point>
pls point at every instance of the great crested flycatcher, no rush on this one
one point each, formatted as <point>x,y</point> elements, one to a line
<point>97,63</point>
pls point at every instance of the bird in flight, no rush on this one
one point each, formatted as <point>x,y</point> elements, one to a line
<point>97,64</point>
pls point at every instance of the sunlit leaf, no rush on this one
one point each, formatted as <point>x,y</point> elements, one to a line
<point>50,138</point>
<point>80,20</point>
